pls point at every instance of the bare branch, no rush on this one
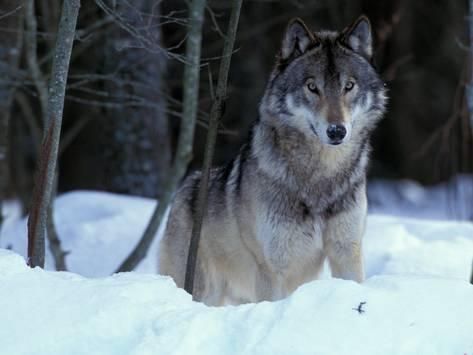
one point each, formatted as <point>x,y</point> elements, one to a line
<point>186,134</point>
<point>213,17</point>
<point>31,121</point>
<point>215,115</point>
<point>144,41</point>
<point>72,133</point>
<point>32,58</point>
<point>11,12</point>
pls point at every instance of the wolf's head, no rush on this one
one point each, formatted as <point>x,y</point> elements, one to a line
<point>324,83</point>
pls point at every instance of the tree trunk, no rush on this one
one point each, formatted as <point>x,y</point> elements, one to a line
<point>136,142</point>
<point>48,157</point>
<point>469,88</point>
<point>40,82</point>
<point>216,113</point>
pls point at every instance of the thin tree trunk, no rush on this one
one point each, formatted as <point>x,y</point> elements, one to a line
<point>59,255</point>
<point>469,86</point>
<point>48,157</point>
<point>186,134</point>
<point>40,83</point>
<point>216,113</point>
<point>10,48</point>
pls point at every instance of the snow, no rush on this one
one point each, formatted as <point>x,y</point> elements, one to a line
<point>418,299</point>
<point>450,200</point>
<point>101,229</point>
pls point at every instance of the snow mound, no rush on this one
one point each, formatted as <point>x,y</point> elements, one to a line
<point>52,313</point>
<point>448,200</point>
<point>100,229</point>
<point>416,299</point>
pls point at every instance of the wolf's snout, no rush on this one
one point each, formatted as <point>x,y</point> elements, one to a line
<point>336,133</point>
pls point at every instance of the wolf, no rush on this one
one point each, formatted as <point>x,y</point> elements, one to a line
<point>295,194</point>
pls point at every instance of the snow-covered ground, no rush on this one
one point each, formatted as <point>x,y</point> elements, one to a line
<point>418,299</point>
<point>99,229</point>
<point>452,200</point>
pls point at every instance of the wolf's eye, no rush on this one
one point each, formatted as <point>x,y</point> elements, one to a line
<point>349,85</point>
<point>312,87</point>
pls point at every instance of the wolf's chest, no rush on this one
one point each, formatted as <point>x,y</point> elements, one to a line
<point>289,238</point>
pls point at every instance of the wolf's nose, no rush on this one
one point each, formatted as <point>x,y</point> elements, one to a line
<point>336,132</point>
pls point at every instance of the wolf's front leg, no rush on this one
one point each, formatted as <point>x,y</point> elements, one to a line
<point>343,240</point>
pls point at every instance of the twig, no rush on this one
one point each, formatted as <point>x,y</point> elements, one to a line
<point>31,121</point>
<point>11,12</point>
<point>145,42</point>
<point>32,58</point>
<point>213,17</point>
<point>216,113</point>
<point>186,134</point>
<point>71,134</point>
<point>47,166</point>
<point>360,309</point>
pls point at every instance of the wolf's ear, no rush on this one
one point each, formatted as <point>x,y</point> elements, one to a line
<point>297,39</point>
<point>359,37</point>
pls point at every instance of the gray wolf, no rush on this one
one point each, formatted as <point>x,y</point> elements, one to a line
<point>295,194</point>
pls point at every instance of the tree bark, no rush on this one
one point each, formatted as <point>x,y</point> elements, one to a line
<point>186,134</point>
<point>216,113</point>
<point>41,85</point>
<point>469,87</point>
<point>59,255</point>
<point>48,158</point>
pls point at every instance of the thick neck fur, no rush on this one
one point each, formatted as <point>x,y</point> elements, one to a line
<point>301,162</point>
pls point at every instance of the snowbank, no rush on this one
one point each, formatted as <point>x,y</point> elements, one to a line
<point>418,300</point>
<point>62,313</point>
<point>99,229</point>
<point>449,200</point>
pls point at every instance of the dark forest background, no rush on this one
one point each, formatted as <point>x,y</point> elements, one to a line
<point>123,102</point>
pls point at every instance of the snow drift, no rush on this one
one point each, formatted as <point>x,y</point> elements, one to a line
<point>62,313</point>
<point>417,297</point>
